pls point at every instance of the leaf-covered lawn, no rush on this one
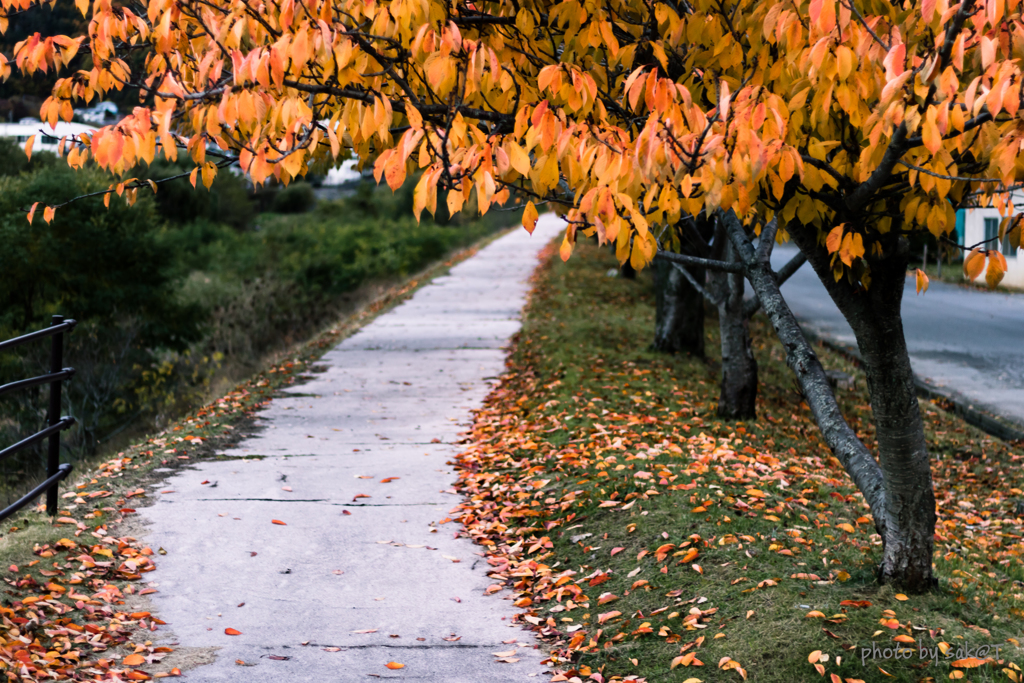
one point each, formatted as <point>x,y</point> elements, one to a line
<point>646,539</point>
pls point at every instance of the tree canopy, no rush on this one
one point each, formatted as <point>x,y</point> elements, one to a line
<point>860,118</point>
<point>844,124</point>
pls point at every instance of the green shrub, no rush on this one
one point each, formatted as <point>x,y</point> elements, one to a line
<point>296,198</point>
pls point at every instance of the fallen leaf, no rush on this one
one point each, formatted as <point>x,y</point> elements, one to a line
<point>232,632</point>
<point>901,597</point>
<point>394,665</point>
<point>134,660</point>
<point>277,521</point>
<point>366,630</point>
<point>507,653</point>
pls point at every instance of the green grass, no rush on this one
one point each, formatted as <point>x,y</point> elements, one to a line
<point>587,414</point>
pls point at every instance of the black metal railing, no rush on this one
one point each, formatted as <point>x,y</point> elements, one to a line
<point>55,471</point>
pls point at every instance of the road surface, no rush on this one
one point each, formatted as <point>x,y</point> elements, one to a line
<point>965,341</point>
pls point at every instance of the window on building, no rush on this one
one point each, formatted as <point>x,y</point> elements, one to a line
<point>992,232</point>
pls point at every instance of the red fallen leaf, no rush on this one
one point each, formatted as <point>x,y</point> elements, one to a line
<point>206,481</point>
<point>240,662</point>
<point>394,665</point>
<point>126,511</point>
<point>14,568</point>
<point>252,553</point>
<point>616,551</point>
<point>855,603</point>
<point>345,512</point>
<point>232,632</point>
<point>457,599</point>
<point>277,521</point>
<point>388,479</point>
<point>241,604</point>
<point>358,496</point>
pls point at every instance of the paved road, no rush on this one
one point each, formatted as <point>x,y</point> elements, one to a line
<point>967,341</point>
<point>390,404</point>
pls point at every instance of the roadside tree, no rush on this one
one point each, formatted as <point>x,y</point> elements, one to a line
<point>844,125</point>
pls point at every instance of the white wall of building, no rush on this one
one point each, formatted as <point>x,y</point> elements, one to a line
<point>974,232</point>
<point>47,138</point>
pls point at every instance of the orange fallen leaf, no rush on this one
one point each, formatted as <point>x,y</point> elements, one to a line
<point>814,656</point>
<point>901,597</point>
<point>815,613</point>
<point>394,665</point>
<point>134,660</point>
<point>232,632</point>
<point>904,639</point>
<point>616,551</point>
<point>277,521</point>
<point>969,663</point>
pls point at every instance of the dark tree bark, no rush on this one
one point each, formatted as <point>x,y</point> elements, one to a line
<point>738,397</point>
<point>874,315</point>
<point>679,312</point>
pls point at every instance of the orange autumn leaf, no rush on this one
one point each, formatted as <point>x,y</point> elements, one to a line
<point>232,632</point>
<point>394,665</point>
<point>134,660</point>
<point>277,521</point>
<point>921,280</point>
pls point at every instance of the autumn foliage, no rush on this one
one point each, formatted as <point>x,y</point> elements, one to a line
<point>864,117</point>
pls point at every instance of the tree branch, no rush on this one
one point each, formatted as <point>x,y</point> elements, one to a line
<point>710,264</point>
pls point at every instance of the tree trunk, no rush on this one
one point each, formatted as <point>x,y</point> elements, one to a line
<point>679,311</point>
<point>909,499</point>
<point>738,397</point>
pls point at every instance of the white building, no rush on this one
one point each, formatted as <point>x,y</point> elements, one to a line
<point>47,138</point>
<point>975,225</point>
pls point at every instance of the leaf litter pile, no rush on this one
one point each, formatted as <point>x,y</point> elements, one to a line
<point>645,539</point>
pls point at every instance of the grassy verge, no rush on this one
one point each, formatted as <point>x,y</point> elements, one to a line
<point>646,539</point>
<point>74,606</point>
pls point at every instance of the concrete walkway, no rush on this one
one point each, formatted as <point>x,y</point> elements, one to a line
<point>355,464</point>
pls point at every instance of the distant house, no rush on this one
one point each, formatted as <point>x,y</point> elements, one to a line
<point>975,225</point>
<point>47,139</point>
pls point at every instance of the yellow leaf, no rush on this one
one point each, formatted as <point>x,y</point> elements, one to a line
<point>996,269</point>
<point>530,217</point>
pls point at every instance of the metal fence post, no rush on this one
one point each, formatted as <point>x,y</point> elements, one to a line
<point>53,459</point>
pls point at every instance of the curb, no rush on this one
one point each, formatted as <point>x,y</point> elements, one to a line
<point>953,402</point>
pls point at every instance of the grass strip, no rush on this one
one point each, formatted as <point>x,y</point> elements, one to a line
<point>645,539</point>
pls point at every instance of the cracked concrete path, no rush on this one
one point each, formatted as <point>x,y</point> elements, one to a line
<point>389,404</point>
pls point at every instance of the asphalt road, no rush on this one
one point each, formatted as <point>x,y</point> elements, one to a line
<point>966,341</point>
